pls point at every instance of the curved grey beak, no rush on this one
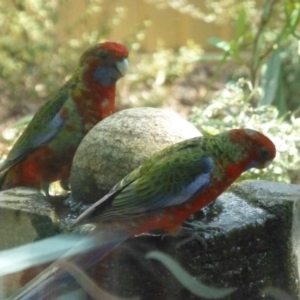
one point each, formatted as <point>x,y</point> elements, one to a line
<point>123,66</point>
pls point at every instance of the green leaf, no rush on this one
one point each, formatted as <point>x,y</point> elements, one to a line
<point>235,50</point>
<point>241,23</point>
<point>281,98</point>
<point>23,121</point>
<point>270,79</point>
<point>267,8</point>
<point>276,293</point>
<point>221,44</point>
<point>293,17</point>
<point>189,282</point>
<point>292,11</point>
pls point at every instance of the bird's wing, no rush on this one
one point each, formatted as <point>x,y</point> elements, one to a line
<point>170,182</point>
<point>168,151</point>
<point>44,126</point>
<point>170,177</point>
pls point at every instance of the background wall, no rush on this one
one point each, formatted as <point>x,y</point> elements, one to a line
<point>165,24</point>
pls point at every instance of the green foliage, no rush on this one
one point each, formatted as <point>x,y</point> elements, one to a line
<point>265,45</point>
<point>153,75</point>
<point>288,94</point>
<point>231,109</point>
<point>266,31</point>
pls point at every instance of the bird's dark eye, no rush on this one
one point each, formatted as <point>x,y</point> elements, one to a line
<point>264,153</point>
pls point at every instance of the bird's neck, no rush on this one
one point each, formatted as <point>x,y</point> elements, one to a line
<point>94,102</point>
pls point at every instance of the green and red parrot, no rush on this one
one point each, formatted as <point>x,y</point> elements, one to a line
<point>162,193</point>
<point>44,151</point>
<point>178,181</point>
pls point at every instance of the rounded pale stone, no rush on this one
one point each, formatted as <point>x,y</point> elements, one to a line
<point>119,144</point>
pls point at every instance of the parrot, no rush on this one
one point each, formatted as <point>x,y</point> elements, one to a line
<point>178,181</point>
<point>163,192</point>
<point>44,151</point>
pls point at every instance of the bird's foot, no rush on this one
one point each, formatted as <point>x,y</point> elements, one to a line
<point>189,238</point>
<point>201,232</point>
